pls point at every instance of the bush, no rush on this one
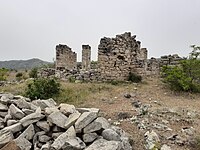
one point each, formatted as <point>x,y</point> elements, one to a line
<point>185,77</point>
<point>3,74</point>
<point>19,76</point>
<point>134,77</point>
<point>72,79</point>
<point>33,73</point>
<point>42,88</point>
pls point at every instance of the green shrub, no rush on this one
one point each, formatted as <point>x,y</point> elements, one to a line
<point>19,76</point>
<point>33,73</point>
<point>134,77</point>
<point>114,82</point>
<point>42,88</point>
<point>3,74</point>
<point>184,77</point>
<point>72,79</point>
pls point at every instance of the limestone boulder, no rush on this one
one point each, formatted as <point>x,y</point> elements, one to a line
<point>43,125</point>
<point>89,137</point>
<point>58,119</point>
<point>104,122</point>
<point>14,128</point>
<point>103,144</point>
<point>22,103</point>
<point>3,107</point>
<point>74,143</point>
<point>72,119</point>
<point>5,137</point>
<point>27,111</point>
<point>92,127</point>
<point>23,143</point>
<point>67,109</point>
<point>11,146</point>
<point>11,122</point>
<point>32,118</point>
<point>28,133</point>
<point>50,110</point>
<point>85,119</point>
<point>44,103</point>
<point>16,112</point>
<point>60,141</point>
<point>110,135</point>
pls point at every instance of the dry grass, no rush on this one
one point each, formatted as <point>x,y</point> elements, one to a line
<point>16,89</point>
<point>80,93</point>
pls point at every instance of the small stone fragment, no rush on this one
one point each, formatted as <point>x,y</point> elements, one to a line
<point>44,138</point>
<point>165,147</point>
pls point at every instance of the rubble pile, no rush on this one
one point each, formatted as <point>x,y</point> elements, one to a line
<point>42,125</point>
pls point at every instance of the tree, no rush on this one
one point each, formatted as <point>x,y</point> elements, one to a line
<point>195,52</point>
<point>33,73</point>
<point>186,76</point>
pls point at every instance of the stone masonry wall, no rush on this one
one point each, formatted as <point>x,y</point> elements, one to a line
<point>119,56</point>
<point>86,57</point>
<point>65,58</point>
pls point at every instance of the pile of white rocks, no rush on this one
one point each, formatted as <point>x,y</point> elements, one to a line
<point>42,125</point>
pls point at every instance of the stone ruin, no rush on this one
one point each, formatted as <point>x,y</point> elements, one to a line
<point>44,125</point>
<point>86,57</point>
<point>66,59</point>
<point>117,57</point>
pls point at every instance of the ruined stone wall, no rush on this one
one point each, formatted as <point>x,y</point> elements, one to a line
<point>86,57</point>
<point>119,56</point>
<point>65,58</point>
<point>169,60</point>
<point>154,65</point>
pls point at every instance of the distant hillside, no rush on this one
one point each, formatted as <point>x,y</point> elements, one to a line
<point>23,64</point>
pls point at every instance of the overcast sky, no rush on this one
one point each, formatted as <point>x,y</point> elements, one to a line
<point>32,28</point>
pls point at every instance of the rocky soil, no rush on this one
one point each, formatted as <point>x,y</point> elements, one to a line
<point>156,117</point>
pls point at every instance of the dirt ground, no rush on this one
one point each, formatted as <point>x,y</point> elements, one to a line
<point>152,92</point>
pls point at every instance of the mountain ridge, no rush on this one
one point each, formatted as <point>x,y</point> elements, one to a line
<point>23,64</point>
